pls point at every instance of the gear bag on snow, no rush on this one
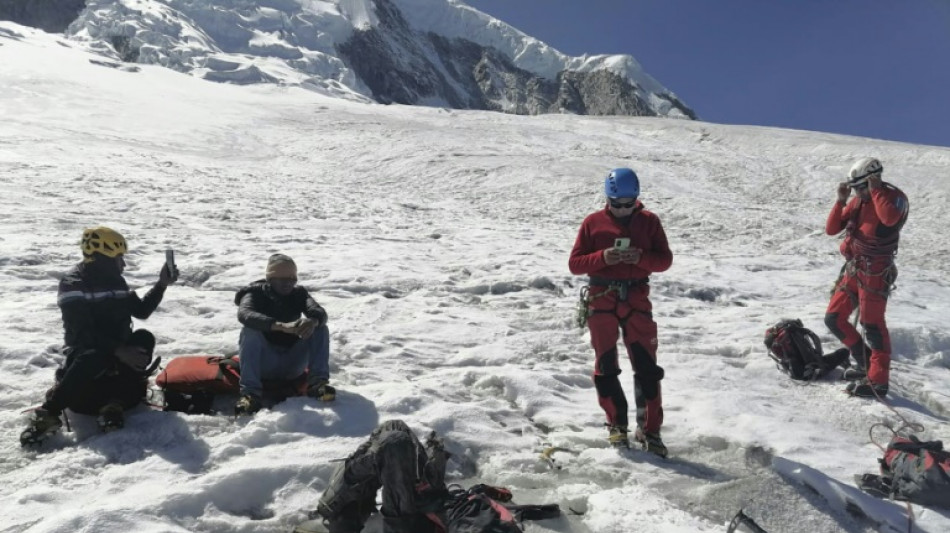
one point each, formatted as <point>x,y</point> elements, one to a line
<point>797,350</point>
<point>913,471</point>
<point>481,509</point>
<point>376,464</point>
<point>488,509</point>
<point>190,383</point>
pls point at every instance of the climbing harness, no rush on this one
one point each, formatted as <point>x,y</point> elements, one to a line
<point>621,287</point>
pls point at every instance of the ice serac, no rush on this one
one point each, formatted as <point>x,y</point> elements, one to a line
<point>413,52</point>
<point>53,16</point>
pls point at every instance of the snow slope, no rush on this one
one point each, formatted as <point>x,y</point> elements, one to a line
<point>438,242</point>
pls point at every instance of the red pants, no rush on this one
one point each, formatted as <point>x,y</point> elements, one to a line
<point>634,318</point>
<point>865,284</point>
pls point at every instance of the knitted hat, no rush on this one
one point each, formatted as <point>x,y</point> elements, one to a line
<point>280,266</point>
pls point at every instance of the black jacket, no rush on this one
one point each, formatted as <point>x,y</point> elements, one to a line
<point>259,307</point>
<point>98,307</point>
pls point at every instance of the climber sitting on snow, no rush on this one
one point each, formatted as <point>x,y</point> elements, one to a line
<point>107,363</point>
<point>276,342</point>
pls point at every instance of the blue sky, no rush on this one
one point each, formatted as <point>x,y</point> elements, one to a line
<point>874,68</point>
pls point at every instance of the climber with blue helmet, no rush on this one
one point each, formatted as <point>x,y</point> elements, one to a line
<point>618,248</point>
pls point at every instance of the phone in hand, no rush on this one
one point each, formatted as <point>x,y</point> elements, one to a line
<point>622,243</point>
<point>170,260</point>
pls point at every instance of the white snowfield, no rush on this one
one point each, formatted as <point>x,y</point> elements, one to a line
<point>438,242</point>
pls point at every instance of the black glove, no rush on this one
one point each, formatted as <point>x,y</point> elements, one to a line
<point>167,277</point>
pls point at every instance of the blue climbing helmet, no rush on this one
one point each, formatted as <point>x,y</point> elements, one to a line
<point>622,183</point>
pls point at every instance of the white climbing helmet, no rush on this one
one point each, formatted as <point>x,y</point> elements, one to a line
<point>862,169</point>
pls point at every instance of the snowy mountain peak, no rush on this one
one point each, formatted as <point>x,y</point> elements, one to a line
<point>417,52</point>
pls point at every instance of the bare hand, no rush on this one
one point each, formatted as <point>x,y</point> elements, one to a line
<point>305,327</point>
<point>874,181</point>
<point>612,256</point>
<point>631,256</point>
<point>844,192</point>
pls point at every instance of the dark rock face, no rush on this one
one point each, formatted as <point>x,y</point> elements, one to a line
<point>393,63</point>
<point>401,66</point>
<point>52,16</point>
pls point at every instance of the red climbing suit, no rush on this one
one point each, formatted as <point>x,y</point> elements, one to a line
<point>632,314</point>
<point>872,230</point>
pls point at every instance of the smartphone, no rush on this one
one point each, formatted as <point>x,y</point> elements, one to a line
<point>170,260</point>
<point>622,243</point>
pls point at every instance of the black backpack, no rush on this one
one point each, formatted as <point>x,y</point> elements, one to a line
<point>796,349</point>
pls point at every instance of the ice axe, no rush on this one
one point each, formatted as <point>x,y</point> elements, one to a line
<point>743,520</point>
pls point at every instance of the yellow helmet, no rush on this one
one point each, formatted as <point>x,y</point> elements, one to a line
<point>103,240</point>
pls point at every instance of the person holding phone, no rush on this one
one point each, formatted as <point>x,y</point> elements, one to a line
<point>107,363</point>
<point>619,247</point>
<point>285,334</point>
<point>871,222</point>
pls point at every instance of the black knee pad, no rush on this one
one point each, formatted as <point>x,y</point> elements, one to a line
<point>646,372</point>
<point>608,386</point>
<point>607,364</point>
<point>831,320</point>
<point>874,335</point>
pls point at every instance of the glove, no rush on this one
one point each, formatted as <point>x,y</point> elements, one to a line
<point>167,277</point>
<point>305,327</point>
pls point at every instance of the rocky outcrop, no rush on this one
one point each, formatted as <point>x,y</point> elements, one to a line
<point>412,52</point>
<point>52,16</point>
<point>401,66</point>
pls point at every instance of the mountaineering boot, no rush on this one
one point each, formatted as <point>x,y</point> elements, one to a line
<point>247,405</point>
<point>651,442</point>
<point>618,436</point>
<point>865,389</point>
<point>322,391</point>
<point>42,424</point>
<point>111,417</point>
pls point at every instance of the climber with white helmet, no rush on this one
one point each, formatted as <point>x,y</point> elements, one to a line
<point>871,222</point>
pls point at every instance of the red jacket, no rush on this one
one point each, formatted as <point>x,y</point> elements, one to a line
<point>873,226</point>
<point>598,232</point>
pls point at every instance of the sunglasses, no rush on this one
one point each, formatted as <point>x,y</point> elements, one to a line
<point>622,205</point>
<point>283,281</point>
